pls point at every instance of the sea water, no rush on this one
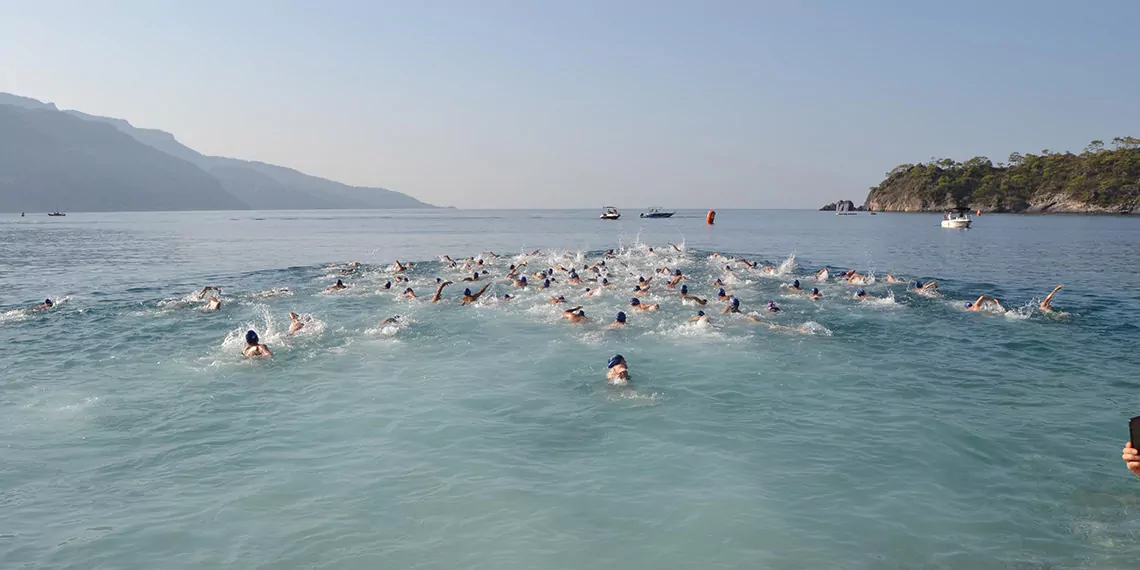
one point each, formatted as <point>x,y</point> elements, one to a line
<point>900,431</point>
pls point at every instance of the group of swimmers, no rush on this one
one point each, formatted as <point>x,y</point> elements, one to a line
<point>477,270</point>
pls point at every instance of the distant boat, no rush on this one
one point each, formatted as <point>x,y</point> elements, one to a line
<point>656,213</point>
<point>843,209</point>
<point>956,219</point>
<point>56,214</point>
<point>610,213</point>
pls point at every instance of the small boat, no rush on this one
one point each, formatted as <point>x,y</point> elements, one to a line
<point>609,213</point>
<point>56,214</point>
<point>656,213</point>
<point>956,219</point>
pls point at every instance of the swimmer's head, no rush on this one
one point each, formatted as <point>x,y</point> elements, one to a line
<point>506,295</point>
<point>860,293</point>
<point>634,302</point>
<point>467,292</point>
<point>484,272</point>
<point>560,298</point>
<point>815,291</point>
<point>387,284</point>
<point>700,313</point>
<point>969,304</point>
<point>512,266</point>
<point>721,293</point>
<point>918,284</point>
<point>641,279</point>
<point>437,279</point>
<point>605,281</point>
<point>546,283</point>
<point>581,313</point>
<point>677,273</point>
<point>251,337</point>
<point>728,268</point>
<point>587,289</point>
<point>339,283</point>
<point>48,302</point>
<point>476,275</point>
<point>735,302</point>
<point>615,360</point>
<point>522,279</point>
<point>684,289</point>
<point>621,317</point>
<point>795,283</point>
<point>408,290</point>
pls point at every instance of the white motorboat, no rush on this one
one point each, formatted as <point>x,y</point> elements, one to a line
<point>956,219</point>
<point>610,213</point>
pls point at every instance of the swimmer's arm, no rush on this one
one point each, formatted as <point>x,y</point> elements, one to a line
<point>572,310</point>
<point>435,298</point>
<point>1048,300</point>
<point>481,291</point>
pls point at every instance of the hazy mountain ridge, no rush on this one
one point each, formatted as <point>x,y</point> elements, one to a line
<point>244,184</point>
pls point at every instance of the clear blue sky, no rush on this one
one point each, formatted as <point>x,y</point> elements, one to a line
<point>584,103</point>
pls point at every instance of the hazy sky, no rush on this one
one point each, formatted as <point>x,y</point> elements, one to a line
<point>584,103</point>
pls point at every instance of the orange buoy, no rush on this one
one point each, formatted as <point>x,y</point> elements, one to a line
<point>709,219</point>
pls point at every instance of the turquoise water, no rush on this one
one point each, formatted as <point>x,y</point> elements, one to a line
<point>900,432</point>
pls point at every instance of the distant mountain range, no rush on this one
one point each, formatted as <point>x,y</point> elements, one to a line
<point>68,160</point>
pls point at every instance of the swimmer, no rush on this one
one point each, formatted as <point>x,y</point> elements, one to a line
<point>860,294</point>
<point>822,274</point>
<point>535,252</point>
<point>606,283</point>
<point>492,254</point>
<point>920,287</point>
<point>574,279</point>
<point>474,277</point>
<point>409,293</point>
<point>617,371</point>
<point>541,275</point>
<point>354,264</point>
<point>718,283</point>
<point>507,297</point>
<point>391,320</point>
<point>815,294</point>
<point>675,248</point>
<point>677,277</point>
<point>575,315</point>
<point>545,284</point>
<point>685,296</point>
<point>513,271</point>
<point>347,272</point>
<point>856,278</point>
<point>213,304</point>
<point>399,267</point>
<point>893,279</point>
<point>733,307</point>
<point>295,323</point>
<point>469,298</point>
<point>772,307</point>
<point>619,321</point>
<point>336,286</point>
<point>591,292</point>
<point>1047,304</point>
<point>700,317</point>
<point>387,285</point>
<point>977,305</point>
<point>722,295</point>
<point>254,348</point>
<point>795,286</point>
<point>520,282</point>
<point>439,291</point>
<point>639,306</point>
<point>557,300</point>
<point>47,304</point>
<point>746,263</point>
<point>728,270</point>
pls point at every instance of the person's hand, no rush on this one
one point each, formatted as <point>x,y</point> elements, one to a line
<point>1131,458</point>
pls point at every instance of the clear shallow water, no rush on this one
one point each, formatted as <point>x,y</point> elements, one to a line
<point>899,433</point>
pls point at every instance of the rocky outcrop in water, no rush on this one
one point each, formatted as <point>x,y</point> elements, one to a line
<point>836,205</point>
<point>1098,180</point>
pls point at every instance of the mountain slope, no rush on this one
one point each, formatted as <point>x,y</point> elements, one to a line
<point>51,160</point>
<point>266,186</point>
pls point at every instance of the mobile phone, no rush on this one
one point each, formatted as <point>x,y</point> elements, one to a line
<point>1134,431</point>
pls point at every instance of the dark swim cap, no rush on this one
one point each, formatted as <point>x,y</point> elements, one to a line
<point>587,289</point>
<point>641,279</point>
<point>735,302</point>
<point>635,301</point>
<point>251,337</point>
<point>546,283</point>
<point>684,289</point>
<point>621,317</point>
<point>387,284</point>
<point>615,360</point>
<point>48,302</point>
<point>581,313</point>
<point>969,304</point>
<point>814,291</point>
<point>795,282</point>
<point>605,281</point>
<point>700,313</point>
<point>918,284</point>
<point>476,275</point>
<point>860,292</point>
<point>677,272</point>
<point>339,282</point>
<point>522,279</point>
<point>467,292</point>
<point>721,293</point>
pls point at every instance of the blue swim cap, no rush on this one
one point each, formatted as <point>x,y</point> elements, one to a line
<point>969,304</point>
<point>860,292</point>
<point>918,284</point>
<point>700,313</point>
<point>641,279</point>
<point>795,283</point>
<point>522,279</point>
<point>605,281</point>
<point>728,268</point>
<point>814,291</point>
<point>467,292</point>
<point>677,272</point>
<point>684,289</point>
<point>581,313</point>
<point>48,302</point>
<point>339,282</point>
<point>735,302</point>
<point>476,275</point>
<point>587,289</point>
<point>512,266</point>
<point>506,295</point>
<point>546,283</point>
<point>635,301</point>
<point>721,293</point>
<point>620,317</point>
<point>615,360</point>
<point>251,337</point>
<point>387,284</point>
